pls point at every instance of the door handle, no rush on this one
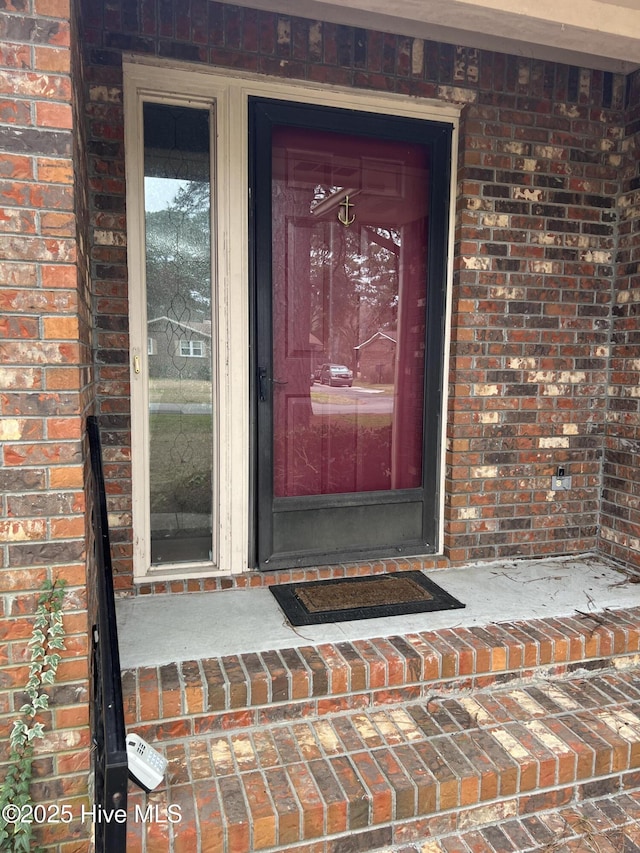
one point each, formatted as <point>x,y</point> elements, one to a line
<point>263,384</point>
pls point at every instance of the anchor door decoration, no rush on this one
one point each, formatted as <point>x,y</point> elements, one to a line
<point>343,214</point>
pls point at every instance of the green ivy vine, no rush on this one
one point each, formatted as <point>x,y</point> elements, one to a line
<point>47,639</point>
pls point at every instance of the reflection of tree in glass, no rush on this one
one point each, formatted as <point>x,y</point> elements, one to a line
<point>354,281</point>
<point>178,272</point>
<point>178,256</point>
<point>179,278</point>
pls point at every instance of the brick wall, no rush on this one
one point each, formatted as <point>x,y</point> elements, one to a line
<point>45,383</point>
<point>104,124</point>
<point>620,532</point>
<point>538,180</point>
<point>540,165</point>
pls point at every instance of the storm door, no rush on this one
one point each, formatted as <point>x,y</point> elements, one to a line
<point>350,213</point>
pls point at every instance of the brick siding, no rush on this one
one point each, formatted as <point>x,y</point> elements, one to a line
<point>534,262</point>
<point>542,154</point>
<point>620,529</point>
<point>45,381</point>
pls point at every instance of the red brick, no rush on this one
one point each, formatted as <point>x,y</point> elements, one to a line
<point>263,817</point>
<point>53,115</point>
<point>53,8</point>
<point>57,60</point>
<point>286,806</point>
<point>338,676</point>
<point>332,795</point>
<point>313,814</point>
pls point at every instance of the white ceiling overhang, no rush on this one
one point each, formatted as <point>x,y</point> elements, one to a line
<point>602,34</point>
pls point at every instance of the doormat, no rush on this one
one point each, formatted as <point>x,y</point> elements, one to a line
<point>350,599</point>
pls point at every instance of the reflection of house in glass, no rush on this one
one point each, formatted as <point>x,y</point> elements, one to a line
<point>376,358</point>
<point>317,354</point>
<point>179,349</point>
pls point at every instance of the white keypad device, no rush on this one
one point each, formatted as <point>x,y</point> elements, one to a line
<point>146,765</point>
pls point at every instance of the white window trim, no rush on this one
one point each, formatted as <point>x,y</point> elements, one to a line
<point>227,92</point>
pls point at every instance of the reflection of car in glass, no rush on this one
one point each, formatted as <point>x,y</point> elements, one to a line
<point>336,374</point>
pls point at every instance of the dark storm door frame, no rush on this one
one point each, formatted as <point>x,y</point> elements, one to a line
<point>302,531</point>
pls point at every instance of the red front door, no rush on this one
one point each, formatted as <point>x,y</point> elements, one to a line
<point>349,306</point>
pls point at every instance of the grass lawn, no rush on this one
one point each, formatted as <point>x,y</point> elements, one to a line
<point>181,456</point>
<point>179,391</point>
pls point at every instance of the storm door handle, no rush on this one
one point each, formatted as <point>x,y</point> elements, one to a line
<point>263,384</point>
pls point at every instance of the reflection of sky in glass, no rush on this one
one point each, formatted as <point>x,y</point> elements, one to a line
<point>160,193</point>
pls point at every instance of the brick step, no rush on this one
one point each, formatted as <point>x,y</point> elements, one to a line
<point>608,824</point>
<point>192,698</point>
<point>392,775</point>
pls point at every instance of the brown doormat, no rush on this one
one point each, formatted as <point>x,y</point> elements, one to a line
<point>349,599</point>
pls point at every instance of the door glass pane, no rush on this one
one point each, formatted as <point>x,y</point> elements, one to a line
<point>349,312</point>
<point>179,327</point>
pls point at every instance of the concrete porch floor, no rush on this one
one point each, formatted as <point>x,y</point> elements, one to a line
<point>163,628</point>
